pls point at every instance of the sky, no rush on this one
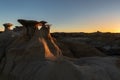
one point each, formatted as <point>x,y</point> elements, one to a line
<point>65,15</point>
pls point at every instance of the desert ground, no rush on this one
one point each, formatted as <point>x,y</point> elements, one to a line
<point>29,53</point>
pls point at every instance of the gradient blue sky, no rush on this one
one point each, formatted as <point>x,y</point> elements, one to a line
<point>65,15</point>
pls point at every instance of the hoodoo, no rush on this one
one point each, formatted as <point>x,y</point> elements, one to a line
<point>7,26</point>
<point>31,26</point>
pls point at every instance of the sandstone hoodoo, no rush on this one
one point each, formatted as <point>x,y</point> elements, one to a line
<point>35,55</point>
<point>30,25</point>
<point>32,46</point>
<point>7,26</point>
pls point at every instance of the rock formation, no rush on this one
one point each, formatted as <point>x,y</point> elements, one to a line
<point>6,38</point>
<point>18,28</point>
<point>35,55</point>
<point>33,45</point>
<point>31,26</point>
<point>77,49</point>
<point>7,26</point>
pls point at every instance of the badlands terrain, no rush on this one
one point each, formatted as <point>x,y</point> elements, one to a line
<point>30,53</point>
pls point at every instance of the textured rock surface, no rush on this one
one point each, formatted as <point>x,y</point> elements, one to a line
<point>76,49</point>
<point>93,68</point>
<point>35,55</point>
<point>39,46</point>
<point>6,39</point>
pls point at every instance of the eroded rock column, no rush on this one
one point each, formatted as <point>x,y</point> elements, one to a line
<point>7,26</point>
<point>30,25</point>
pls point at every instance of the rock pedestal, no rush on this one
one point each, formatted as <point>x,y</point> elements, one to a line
<point>30,25</point>
<point>33,46</point>
<point>7,26</point>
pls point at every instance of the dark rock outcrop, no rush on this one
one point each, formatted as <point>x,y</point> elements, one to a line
<point>77,49</point>
<point>6,38</point>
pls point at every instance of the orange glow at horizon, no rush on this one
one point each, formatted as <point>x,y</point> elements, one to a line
<point>104,25</point>
<point>84,28</point>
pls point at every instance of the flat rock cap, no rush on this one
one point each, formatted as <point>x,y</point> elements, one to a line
<point>7,24</point>
<point>28,22</point>
<point>43,22</point>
